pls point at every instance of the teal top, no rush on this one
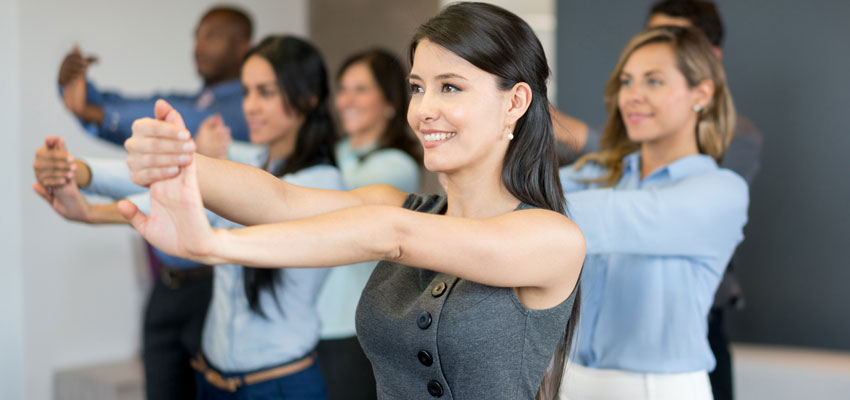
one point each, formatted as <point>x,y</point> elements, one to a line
<point>341,291</point>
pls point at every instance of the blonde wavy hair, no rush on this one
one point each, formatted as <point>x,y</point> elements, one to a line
<point>696,60</point>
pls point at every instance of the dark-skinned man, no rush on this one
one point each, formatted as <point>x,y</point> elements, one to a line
<point>174,315</point>
<point>222,39</point>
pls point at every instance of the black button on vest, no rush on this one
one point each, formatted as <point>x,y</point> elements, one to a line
<point>425,358</point>
<point>435,389</point>
<point>438,289</point>
<point>424,320</point>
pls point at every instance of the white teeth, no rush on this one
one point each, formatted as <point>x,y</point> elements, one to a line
<point>439,136</point>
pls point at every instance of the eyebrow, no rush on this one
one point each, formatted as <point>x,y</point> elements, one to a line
<point>441,76</point>
<point>650,72</point>
<point>262,84</point>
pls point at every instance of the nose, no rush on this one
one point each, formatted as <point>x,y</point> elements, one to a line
<point>249,103</point>
<point>343,98</point>
<point>631,94</point>
<point>425,106</point>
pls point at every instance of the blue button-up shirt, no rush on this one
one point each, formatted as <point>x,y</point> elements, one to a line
<point>119,111</point>
<point>234,338</point>
<point>656,250</point>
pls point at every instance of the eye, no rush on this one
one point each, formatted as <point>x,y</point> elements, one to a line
<point>625,82</point>
<point>654,82</point>
<point>416,89</point>
<point>267,92</point>
<point>449,88</point>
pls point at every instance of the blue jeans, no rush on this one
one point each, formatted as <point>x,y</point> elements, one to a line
<point>305,385</point>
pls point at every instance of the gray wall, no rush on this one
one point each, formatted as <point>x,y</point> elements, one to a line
<point>788,64</point>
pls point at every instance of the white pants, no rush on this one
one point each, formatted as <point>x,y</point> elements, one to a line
<point>582,383</point>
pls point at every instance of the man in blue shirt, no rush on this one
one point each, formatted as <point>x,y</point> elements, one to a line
<point>182,289</point>
<point>222,39</point>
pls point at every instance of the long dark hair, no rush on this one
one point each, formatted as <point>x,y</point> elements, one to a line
<point>390,76</point>
<point>302,76</point>
<point>500,43</point>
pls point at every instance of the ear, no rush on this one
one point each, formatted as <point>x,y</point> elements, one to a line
<point>719,53</point>
<point>703,93</point>
<point>520,100</point>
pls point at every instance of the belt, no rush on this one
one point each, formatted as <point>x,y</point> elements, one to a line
<point>172,277</point>
<point>233,383</point>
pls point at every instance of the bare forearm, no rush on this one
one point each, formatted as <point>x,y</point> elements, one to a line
<point>91,113</point>
<point>251,196</point>
<point>241,193</point>
<point>339,238</point>
<point>105,214</point>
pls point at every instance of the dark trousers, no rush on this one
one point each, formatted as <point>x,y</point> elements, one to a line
<point>305,385</point>
<point>174,318</point>
<point>347,371</point>
<point>721,377</point>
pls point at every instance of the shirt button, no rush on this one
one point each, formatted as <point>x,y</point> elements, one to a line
<point>435,389</point>
<point>424,320</point>
<point>438,289</point>
<point>425,358</point>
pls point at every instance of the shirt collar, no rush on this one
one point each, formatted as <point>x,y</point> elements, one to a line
<point>226,88</point>
<point>681,168</point>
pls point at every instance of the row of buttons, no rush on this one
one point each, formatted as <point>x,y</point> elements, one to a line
<point>423,321</point>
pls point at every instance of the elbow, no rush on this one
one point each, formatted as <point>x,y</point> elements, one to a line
<point>394,233</point>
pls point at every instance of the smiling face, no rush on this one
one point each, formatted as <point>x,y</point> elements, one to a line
<point>270,121</point>
<point>457,111</point>
<point>360,102</point>
<point>654,98</point>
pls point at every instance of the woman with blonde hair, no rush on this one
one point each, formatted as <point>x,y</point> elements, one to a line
<point>661,222</point>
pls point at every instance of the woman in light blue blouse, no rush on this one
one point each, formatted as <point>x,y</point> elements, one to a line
<point>261,326</point>
<point>379,148</point>
<point>661,222</point>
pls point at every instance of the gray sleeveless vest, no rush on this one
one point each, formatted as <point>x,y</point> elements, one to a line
<point>431,335</point>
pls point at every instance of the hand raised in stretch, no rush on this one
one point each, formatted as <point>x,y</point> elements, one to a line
<point>157,149</point>
<point>177,223</point>
<point>213,137</point>
<point>54,168</point>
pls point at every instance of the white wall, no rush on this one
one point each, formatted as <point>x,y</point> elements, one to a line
<point>11,294</point>
<point>73,294</point>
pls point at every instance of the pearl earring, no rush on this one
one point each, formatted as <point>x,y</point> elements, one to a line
<point>510,134</point>
<point>697,108</point>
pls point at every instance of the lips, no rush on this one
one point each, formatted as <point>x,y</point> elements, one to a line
<point>636,118</point>
<point>433,138</point>
<point>254,125</point>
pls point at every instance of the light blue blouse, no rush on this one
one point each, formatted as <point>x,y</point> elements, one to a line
<point>235,339</point>
<point>656,250</point>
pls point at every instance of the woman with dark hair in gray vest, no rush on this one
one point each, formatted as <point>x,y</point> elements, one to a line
<point>476,296</point>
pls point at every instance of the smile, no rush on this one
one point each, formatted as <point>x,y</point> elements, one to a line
<point>435,137</point>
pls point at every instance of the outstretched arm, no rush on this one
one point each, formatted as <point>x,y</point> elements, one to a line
<point>538,251</point>
<point>240,193</point>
